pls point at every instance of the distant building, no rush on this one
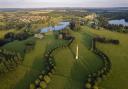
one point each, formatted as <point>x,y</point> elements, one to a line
<point>39,35</point>
<point>91,16</point>
<point>60,36</point>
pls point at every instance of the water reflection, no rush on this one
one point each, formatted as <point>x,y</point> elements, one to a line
<point>118,22</point>
<point>61,26</point>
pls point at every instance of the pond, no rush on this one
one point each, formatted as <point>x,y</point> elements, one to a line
<point>118,22</point>
<point>60,26</point>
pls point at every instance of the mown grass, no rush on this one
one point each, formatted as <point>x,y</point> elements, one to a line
<point>27,72</point>
<point>33,63</point>
<point>118,55</point>
<point>72,73</point>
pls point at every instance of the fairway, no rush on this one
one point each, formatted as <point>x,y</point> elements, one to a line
<point>72,73</point>
<point>118,55</point>
<point>31,67</point>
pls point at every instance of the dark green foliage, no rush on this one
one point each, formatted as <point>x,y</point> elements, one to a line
<point>8,60</point>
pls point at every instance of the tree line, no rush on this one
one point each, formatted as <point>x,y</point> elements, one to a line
<point>101,73</point>
<point>45,77</point>
<point>11,36</point>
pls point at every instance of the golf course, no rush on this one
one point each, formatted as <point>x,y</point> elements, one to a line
<point>70,73</point>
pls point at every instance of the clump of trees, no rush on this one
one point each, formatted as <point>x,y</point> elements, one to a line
<point>75,25</point>
<point>106,40</point>
<point>9,60</point>
<point>103,22</point>
<point>9,37</point>
<point>117,28</point>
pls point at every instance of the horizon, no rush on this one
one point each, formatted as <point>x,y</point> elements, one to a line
<point>63,3</point>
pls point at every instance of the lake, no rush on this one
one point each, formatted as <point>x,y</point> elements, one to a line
<point>118,22</point>
<point>60,26</point>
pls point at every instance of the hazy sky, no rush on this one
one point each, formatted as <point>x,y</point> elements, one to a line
<point>62,3</point>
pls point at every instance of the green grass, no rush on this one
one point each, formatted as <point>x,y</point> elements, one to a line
<point>18,46</point>
<point>3,32</point>
<point>118,55</point>
<point>33,63</point>
<point>27,72</point>
<point>2,23</point>
<point>72,73</point>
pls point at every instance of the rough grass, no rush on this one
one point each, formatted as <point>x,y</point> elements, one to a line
<point>119,58</point>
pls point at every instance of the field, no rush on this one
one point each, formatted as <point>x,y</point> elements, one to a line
<point>119,58</point>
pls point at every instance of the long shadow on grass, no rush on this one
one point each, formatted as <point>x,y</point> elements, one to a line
<point>31,74</point>
<point>78,74</point>
<point>87,40</point>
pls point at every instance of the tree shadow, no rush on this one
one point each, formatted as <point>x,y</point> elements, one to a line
<point>87,40</point>
<point>32,72</point>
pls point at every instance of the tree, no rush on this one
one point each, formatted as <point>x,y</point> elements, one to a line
<point>43,85</point>
<point>88,85</point>
<point>37,82</point>
<point>75,25</point>
<point>47,79</point>
<point>10,35</point>
<point>95,87</point>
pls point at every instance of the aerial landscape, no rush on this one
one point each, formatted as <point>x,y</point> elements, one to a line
<point>63,44</point>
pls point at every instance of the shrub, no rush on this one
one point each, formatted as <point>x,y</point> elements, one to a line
<point>41,77</point>
<point>89,80</point>
<point>95,87</point>
<point>88,85</point>
<point>47,79</point>
<point>50,74</point>
<point>43,85</point>
<point>37,82</point>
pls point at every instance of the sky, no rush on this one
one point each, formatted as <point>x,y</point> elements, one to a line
<point>62,3</point>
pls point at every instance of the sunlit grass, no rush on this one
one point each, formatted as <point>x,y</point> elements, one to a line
<point>118,55</point>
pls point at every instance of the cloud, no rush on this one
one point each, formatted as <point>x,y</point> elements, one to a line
<point>61,3</point>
